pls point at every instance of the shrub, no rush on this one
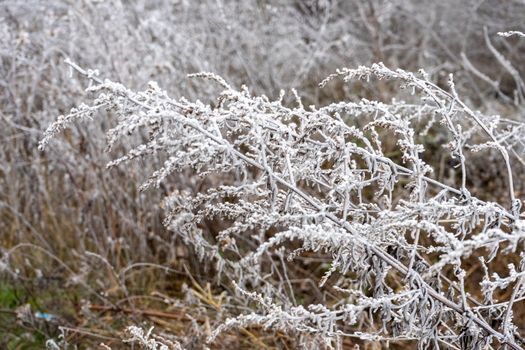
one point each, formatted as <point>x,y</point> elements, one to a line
<point>282,180</point>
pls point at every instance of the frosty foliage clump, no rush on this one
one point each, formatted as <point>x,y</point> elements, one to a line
<point>149,340</point>
<point>281,182</point>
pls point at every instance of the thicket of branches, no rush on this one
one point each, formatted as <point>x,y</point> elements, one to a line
<point>376,206</point>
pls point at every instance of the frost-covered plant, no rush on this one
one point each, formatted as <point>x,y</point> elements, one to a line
<point>284,180</point>
<point>150,341</point>
<point>66,221</point>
